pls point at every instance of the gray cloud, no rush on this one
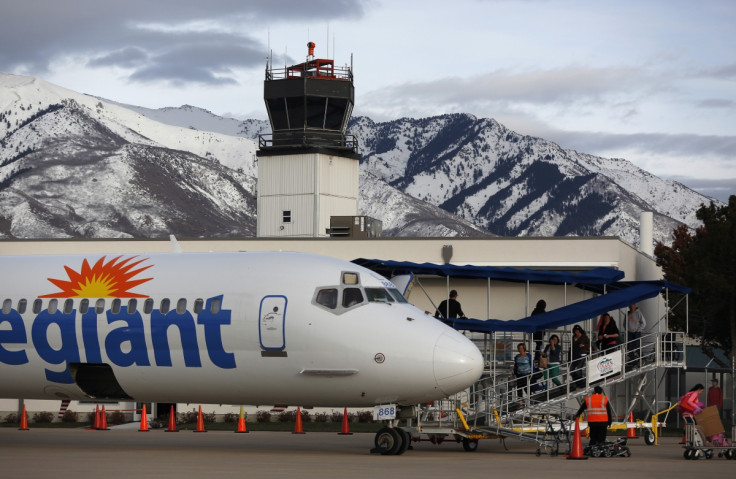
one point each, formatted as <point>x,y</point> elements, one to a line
<point>129,57</point>
<point>717,103</point>
<point>35,33</point>
<point>661,143</point>
<point>541,86</point>
<point>719,189</point>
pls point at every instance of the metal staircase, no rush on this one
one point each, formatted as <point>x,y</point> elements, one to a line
<point>540,411</point>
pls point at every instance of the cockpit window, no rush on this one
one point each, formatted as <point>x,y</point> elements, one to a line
<point>378,295</point>
<point>351,297</point>
<point>350,278</point>
<point>397,295</point>
<point>327,298</point>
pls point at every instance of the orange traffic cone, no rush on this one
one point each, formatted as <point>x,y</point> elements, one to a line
<point>576,452</point>
<point>96,424</point>
<point>345,425</point>
<point>241,422</point>
<point>298,426</point>
<point>103,420</point>
<point>200,422</point>
<point>631,431</point>
<point>172,420</point>
<point>144,420</point>
<point>23,420</point>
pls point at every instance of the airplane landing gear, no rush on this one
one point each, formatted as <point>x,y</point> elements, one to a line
<point>390,441</point>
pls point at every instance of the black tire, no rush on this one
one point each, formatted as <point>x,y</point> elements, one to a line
<point>388,440</point>
<point>648,437</point>
<point>729,454</point>
<point>686,454</point>
<point>470,445</point>
<point>405,441</point>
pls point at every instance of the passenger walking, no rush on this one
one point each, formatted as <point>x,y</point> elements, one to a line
<point>634,328</point>
<point>523,368</point>
<point>538,336</point>
<point>580,351</point>
<point>608,334</point>
<point>599,415</point>
<point>552,352</point>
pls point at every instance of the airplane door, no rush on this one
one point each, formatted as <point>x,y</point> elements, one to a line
<point>271,321</point>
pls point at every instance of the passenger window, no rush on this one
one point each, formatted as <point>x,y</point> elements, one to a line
<point>84,306</point>
<point>53,306</point>
<point>165,305</point>
<point>327,298</point>
<point>148,306</point>
<point>22,306</point>
<point>378,295</point>
<point>7,306</point>
<point>181,306</point>
<point>132,306</point>
<point>350,278</point>
<point>68,306</point>
<point>351,297</point>
<point>100,306</point>
<point>115,308</point>
<point>198,305</point>
<point>37,305</point>
<point>215,305</point>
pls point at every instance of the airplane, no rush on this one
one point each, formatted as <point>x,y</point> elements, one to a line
<point>234,328</point>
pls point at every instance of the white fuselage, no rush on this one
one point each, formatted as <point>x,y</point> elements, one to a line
<point>240,328</point>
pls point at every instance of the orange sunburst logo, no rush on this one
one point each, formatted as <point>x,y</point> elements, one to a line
<point>112,279</point>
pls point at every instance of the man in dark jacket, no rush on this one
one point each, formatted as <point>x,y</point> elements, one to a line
<point>450,308</point>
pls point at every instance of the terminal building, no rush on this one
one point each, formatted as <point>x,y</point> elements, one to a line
<point>308,202</point>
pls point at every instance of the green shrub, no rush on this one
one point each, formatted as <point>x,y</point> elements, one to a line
<point>44,417</point>
<point>116,417</point>
<point>70,416</point>
<point>365,416</point>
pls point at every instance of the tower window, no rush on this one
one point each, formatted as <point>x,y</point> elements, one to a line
<point>286,217</point>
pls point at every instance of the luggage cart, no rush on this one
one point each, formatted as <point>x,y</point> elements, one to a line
<point>696,445</point>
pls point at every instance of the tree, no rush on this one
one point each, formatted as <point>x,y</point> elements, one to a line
<point>706,263</point>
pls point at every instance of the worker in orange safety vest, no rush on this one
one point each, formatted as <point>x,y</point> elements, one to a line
<point>599,415</point>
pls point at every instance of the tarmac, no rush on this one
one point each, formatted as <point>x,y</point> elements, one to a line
<point>128,453</point>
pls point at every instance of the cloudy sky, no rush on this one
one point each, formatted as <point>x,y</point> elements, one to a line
<point>651,81</point>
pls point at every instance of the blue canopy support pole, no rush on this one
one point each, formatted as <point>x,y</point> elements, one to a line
<point>526,336</point>
<point>493,334</point>
<point>447,299</point>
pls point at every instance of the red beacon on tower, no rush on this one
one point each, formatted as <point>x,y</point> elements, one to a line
<point>321,68</point>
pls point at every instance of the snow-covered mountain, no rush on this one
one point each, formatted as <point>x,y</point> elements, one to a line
<point>72,165</point>
<point>515,185</point>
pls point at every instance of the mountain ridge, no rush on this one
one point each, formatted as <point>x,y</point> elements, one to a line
<point>448,175</point>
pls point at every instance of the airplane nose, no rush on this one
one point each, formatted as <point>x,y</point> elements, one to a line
<point>457,362</point>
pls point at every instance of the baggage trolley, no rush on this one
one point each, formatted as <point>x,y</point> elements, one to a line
<point>696,446</point>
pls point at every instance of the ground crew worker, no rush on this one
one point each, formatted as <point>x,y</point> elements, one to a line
<point>599,415</point>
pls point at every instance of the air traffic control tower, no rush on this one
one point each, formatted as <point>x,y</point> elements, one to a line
<point>308,165</point>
